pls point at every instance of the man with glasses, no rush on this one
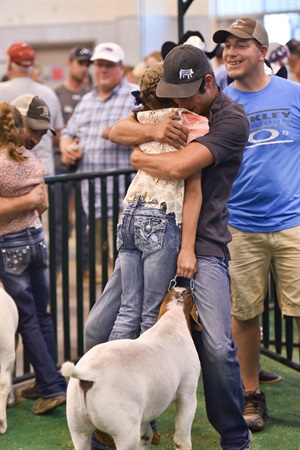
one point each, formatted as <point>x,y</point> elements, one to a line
<point>91,122</point>
<point>69,94</point>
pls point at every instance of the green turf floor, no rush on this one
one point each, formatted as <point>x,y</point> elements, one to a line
<point>49,432</point>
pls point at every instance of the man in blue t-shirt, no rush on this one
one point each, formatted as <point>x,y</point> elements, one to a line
<point>264,204</point>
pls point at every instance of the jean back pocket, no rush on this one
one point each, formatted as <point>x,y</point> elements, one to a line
<point>16,260</point>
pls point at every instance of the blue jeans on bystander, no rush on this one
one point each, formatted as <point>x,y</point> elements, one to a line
<point>25,276</point>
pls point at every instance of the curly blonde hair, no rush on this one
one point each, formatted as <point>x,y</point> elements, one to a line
<point>11,131</point>
<point>148,84</point>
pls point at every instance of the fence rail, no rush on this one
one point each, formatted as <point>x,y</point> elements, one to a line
<point>72,298</point>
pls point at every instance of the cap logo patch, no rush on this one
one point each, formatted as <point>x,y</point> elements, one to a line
<point>186,73</point>
<point>45,111</point>
<point>238,24</point>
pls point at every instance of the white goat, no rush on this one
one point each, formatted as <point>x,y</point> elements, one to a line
<point>8,326</point>
<point>120,386</point>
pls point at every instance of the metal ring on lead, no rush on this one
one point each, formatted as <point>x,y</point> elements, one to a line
<point>172,283</point>
<point>192,286</point>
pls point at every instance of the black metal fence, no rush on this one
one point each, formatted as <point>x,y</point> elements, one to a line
<point>279,335</point>
<point>72,298</point>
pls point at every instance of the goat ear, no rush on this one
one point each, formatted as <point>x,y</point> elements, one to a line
<point>163,306</point>
<point>195,317</point>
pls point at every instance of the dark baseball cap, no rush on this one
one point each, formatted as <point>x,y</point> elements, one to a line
<point>245,29</point>
<point>21,53</point>
<point>80,54</point>
<point>184,69</point>
<point>35,110</point>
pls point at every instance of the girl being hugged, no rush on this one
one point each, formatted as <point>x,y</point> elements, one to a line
<point>24,260</point>
<point>157,230</point>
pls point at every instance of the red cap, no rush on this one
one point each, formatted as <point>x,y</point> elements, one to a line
<point>21,54</point>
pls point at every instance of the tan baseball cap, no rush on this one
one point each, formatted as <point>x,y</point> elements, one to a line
<point>245,29</point>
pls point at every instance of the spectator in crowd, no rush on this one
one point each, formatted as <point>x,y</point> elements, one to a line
<point>88,81</point>
<point>264,203</point>
<point>24,268</point>
<point>69,94</point>
<point>294,59</point>
<point>188,77</point>
<point>153,58</point>
<point>21,57</point>
<point>37,73</point>
<point>128,71</point>
<point>148,61</point>
<point>91,122</point>
<point>277,57</point>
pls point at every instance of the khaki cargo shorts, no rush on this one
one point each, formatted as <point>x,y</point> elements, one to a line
<point>253,255</point>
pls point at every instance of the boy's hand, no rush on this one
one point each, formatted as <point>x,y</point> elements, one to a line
<point>170,131</point>
<point>186,263</point>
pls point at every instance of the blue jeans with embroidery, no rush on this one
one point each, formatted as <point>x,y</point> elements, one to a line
<point>148,241</point>
<point>25,276</point>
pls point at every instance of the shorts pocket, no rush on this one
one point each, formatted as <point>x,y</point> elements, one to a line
<point>16,260</point>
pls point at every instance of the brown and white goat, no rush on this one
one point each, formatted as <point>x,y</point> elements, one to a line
<point>120,386</point>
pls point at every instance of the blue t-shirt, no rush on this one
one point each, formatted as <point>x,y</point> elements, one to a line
<point>266,192</point>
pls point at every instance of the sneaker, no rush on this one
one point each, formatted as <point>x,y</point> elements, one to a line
<point>31,392</point>
<point>43,405</point>
<point>268,377</point>
<point>255,410</point>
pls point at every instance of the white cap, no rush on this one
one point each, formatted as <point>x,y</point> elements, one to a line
<point>196,41</point>
<point>108,51</point>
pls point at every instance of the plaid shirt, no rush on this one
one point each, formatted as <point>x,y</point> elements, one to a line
<point>90,117</point>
